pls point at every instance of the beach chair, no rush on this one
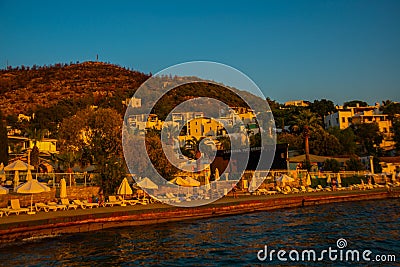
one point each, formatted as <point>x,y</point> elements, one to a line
<point>40,206</point>
<point>59,206</point>
<point>319,188</point>
<point>16,208</point>
<point>172,197</point>
<point>69,206</point>
<point>279,190</point>
<point>4,211</point>
<point>131,202</point>
<point>288,189</point>
<point>271,192</point>
<point>327,188</point>
<point>84,205</point>
<point>294,190</point>
<point>112,200</point>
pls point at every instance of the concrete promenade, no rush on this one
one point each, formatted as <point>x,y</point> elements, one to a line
<point>70,221</point>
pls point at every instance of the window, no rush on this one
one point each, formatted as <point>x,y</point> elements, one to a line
<point>343,119</point>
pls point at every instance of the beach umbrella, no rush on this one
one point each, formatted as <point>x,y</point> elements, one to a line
<point>29,175</point>
<point>284,179</point>
<point>216,175</point>
<point>16,179</point>
<point>253,183</point>
<point>339,180</point>
<point>18,165</point>
<point>32,187</point>
<point>192,182</point>
<point>63,188</point>
<point>2,173</point>
<point>146,183</point>
<point>180,181</point>
<point>308,181</point>
<point>3,190</point>
<point>329,179</point>
<point>124,189</point>
<point>207,182</point>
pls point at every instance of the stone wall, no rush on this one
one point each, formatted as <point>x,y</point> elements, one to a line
<point>73,192</point>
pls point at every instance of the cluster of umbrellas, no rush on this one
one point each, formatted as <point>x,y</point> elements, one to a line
<point>18,166</point>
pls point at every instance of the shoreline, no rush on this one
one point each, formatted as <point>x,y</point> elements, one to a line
<point>17,228</point>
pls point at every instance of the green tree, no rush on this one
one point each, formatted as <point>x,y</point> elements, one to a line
<point>96,135</point>
<point>391,109</point>
<point>3,141</point>
<point>324,144</point>
<point>347,140</point>
<point>331,165</point>
<point>354,103</point>
<point>322,107</point>
<point>224,142</point>
<point>369,137</point>
<point>354,164</point>
<point>295,142</point>
<point>396,134</point>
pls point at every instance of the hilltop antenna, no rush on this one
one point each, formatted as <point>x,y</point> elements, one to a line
<point>97,57</point>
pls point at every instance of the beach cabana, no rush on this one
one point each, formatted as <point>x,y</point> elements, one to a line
<point>32,187</point>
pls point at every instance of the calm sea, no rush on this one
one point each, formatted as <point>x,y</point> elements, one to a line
<point>227,241</point>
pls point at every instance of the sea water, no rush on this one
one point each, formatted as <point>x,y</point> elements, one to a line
<point>240,240</point>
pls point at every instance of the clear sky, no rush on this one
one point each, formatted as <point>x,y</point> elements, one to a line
<point>339,50</point>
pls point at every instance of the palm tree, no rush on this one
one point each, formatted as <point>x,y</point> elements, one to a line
<point>306,122</point>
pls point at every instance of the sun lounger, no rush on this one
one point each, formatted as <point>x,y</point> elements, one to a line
<point>85,205</point>
<point>68,205</point>
<point>4,211</point>
<point>16,208</point>
<point>40,206</point>
<point>59,206</point>
<point>131,202</point>
<point>112,200</point>
<point>280,190</point>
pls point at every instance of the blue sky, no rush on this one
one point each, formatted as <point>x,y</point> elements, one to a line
<point>339,50</point>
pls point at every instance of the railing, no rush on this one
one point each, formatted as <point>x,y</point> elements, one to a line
<point>51,179</point>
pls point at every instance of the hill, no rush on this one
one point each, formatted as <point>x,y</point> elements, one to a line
<point>24,90</point>
<point>56,92</point>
